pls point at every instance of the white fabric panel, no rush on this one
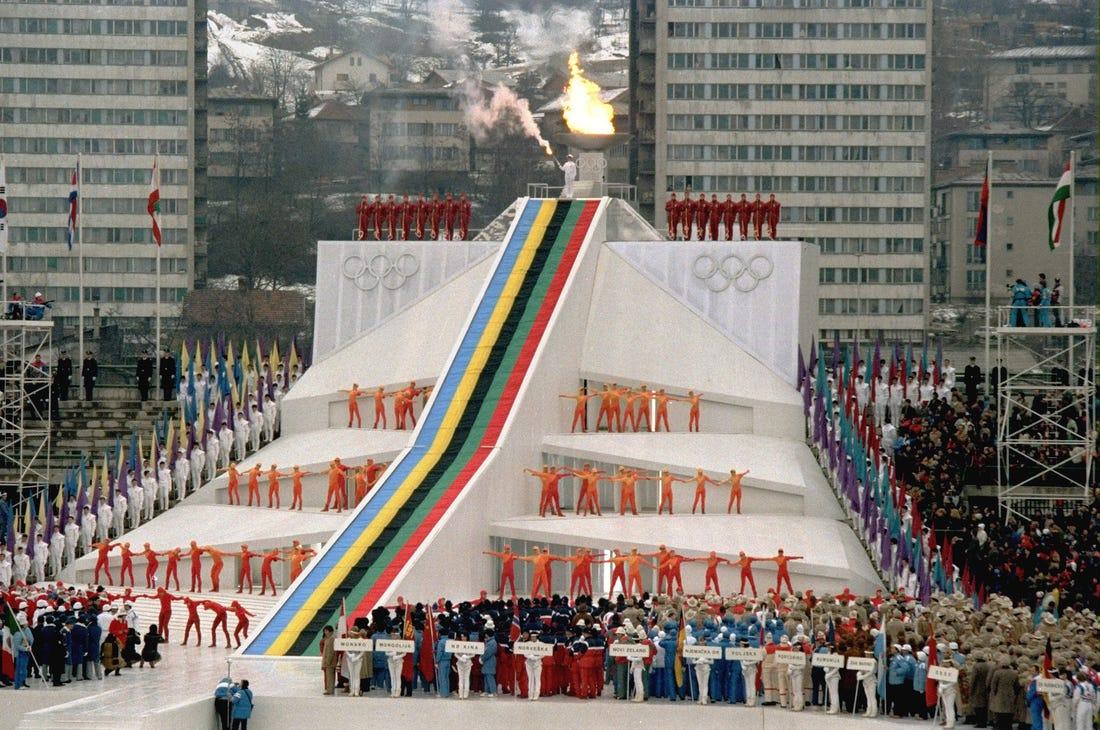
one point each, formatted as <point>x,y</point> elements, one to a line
<point>749,290</point>
<point>361,284</point>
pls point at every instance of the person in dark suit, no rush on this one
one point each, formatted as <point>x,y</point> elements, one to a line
<point>998,376</point>
<point>167,374</point>
<point>144,375</point>
<point>63,375</point>
<point>972,377</point>
<point>89,372</point>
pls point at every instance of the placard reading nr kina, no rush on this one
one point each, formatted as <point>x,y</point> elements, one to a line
<point>399,645</point>
<point>534,648</point>
<point>354,645</point>
<point>827,660</point>
<point>465,647</point>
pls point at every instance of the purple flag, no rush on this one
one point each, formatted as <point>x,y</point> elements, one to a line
<point>30,537</point>
<point>813,356</point>
<point>807,393</point>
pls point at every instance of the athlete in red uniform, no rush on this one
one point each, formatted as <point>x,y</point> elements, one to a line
<point>242,615</point>
<point>507,569</point>
<point>712,561</point>
<point>245,574</point>
<point>192,620</point>
<point>672,216</point>
<point>782,575</point>
<point>220,614</point>
<point>151,564</point>
<point>266,575</point>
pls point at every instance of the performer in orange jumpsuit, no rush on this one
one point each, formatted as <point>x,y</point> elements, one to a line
<point>266,574</point>
<point>549,497</point>
<point>374,470</point>
<point>171,568</point>
<point>744,213</point>
<point>675,560</point>
<point>273,475</point>
<point>507,569</point>
<point>450,216</point>
<point>644,400</point>
<point>617,393</point>
<point>245,575</point>
<point>435,216</point>
<point>165,614</point>
<point>687,214</point>
<point>380,395</point>
<point>667,480</point>
<point>702,216</point>
<point>715,216</point>
<point>410,395</point>
<point>632,397</point>
<point>693,415</point>
<point>701,481</point>
<point>662,399</point>
<point>195,554</point>
<point>360,484</point>
<point>464,213</point>
<point>254,485</point>
<point>605,407</point>
<point>234,483</point>
<point>589,493</point>
<point>628,479</point>
<point>353,405</point>
<point>772,208</point>
<point>582,572</point>
<point>540,571</point>
<point>782,575</point>
<point>423,216</point>
<point>729,215</point>
<point>296,487</point>
<point>672,215</point>
<point>618,571</point>
<point>151,564</point>
<point>216,568</point>
<point>712,561</point>
<point>663,575</point>
<point>220,615</point>
<point>634,563</point>
<point>337,473</point>
<point>391,211</point>
<point>298,556</point>
<point>103,550</point>
<point>580,411</point>
<point>407,211</point>
<point>242,615</point>
<point>362,215</point>
<point>127,564</point>
<point>758,211</point>
<point>192,620</point>
<point>735,489</point>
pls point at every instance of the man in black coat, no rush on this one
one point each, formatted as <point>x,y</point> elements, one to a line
<point>89,372</point>
<point>167,374</point>
<point>63,375</point>
<point>972,376</point>
<point>144,375</point>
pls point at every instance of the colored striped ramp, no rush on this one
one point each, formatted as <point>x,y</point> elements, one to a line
<point>462,423</point>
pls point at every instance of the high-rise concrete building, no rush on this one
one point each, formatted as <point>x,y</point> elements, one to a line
<point>825,103</point>
<point>117,83</point>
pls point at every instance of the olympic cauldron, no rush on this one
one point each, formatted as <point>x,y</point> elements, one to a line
<point>591,151</point>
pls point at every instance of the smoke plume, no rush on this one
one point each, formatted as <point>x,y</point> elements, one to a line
<point>503,109</point>
<point>549,32</point>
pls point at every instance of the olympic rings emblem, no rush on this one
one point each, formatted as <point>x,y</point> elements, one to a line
<point>732,270</point>
<point>379,269</point>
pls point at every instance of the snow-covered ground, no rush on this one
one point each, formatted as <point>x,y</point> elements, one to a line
<point>235,45</point>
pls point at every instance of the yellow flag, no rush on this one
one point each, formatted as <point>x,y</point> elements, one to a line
<point>42,508</point>
<point>153,450</point>
<point>678,665</point>
<point>185,358</point>
<point>27,519</point>
<point>276,361</point>
<point>292,361</point>
<point>246,363</point>
<point>230,360</point>
<point>168,440</point>
<point>57,501</point>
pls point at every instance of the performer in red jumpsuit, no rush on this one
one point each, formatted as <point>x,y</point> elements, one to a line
<point>507,569</point>
<point>435,215</point>
<point>377,217</point>
<point>711,578</point>
<point>582,572</point>
<point>715,216</point>
<point>758,212</point>
<point>102,559</point>
<point>254,485</point>
<point>151,564</point>
<point>408,217</point>
<point>423,216</point>
<point>772,209</point>
<point>782,575</point>
<point>195,553</point>
<point>296,487</point>
<point>687,214</point>
<point>465,211</point>
<point>729,215</point>
<point>618,572</point>
<point>745,563</point>
<point>362,217</point>
<point>588,495</point>
<point>171,569</point>
<point>450,216</point>
<point>127,564</point>
<point>549,497</point>
<point>675,560</point>
<point>540,571</point>
<point>165,614</point>
<point>220,615</point>
<point>702,215</point>
<point>634,562</point>
<point>266,575</point>
<point>744,212</point>
<point>667,480</point>
<point>298,556</point>
<point>192,620</point>
<point>242,615</point>
<point>672,216</point>
<point>392,213</point>
<point>246,569</point>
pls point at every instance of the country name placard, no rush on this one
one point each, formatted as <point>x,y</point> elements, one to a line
<point>534,648</point>
<point>454,646</point>
<point>354,645</point>
<point>827,660</point>
<point>630,651</point>
<point>399,645</point>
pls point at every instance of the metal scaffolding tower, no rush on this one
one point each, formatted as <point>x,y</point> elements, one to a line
<point>1045,411</point>
<point>25,406</point>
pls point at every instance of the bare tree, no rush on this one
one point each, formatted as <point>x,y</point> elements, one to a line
<point>280,75</point>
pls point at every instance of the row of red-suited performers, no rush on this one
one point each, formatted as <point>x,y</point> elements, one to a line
<point>419,219</point>
<point>708,216</point>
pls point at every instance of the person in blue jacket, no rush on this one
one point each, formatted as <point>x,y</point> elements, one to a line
<point>920,677</point>
<point>898,673</point>
<point>223,693</point>
<point>92,642</point>
<point>443,666</point>
<point>1035,702</point>
<point>241,699</point>
<point>1021,295</point>
<point>489,661</point>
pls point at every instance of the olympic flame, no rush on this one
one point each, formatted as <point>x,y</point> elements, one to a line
<point>584,111</point>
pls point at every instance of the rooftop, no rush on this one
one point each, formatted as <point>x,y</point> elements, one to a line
<point>998,130</point>
<point>1054,52</point>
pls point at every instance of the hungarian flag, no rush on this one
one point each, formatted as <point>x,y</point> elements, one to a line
<point>1057,211</point>
<point>74,193</point>
<point>153,206</point>
<point>981,232</point>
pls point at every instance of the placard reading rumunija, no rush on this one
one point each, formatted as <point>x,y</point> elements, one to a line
<point>827,660</point>
<point>465,647</point>
<point>354,645</point>
<point>399,645</point>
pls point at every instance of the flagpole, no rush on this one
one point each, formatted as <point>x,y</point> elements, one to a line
<point>988,266</point>
<point>156,346</point>
<point>1072,214</point>
<point>80,262</point>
